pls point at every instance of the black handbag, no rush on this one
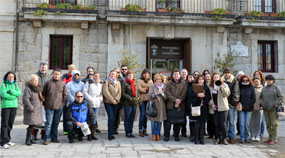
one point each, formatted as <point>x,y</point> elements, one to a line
<point>176,115</point>
<point>151,109</point>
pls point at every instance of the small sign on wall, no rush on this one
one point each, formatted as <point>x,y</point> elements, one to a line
<point>239,50</point>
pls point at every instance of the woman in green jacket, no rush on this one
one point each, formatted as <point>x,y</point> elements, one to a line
<point>9,92</point>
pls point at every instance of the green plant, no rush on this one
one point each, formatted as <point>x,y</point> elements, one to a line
<point>221,62</point>
<point>92,7</point>
<point>78,7</point>
<point>43,5</point>
<point>41,11</point>
<point>133,7</point>
<point>255,13</point>
<point>64,6</point>
<point>218,12</point>
<point>282,14</point>
<point>131,60</point>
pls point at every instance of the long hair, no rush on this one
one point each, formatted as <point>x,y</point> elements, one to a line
<point>212,79</point>
<point>245,76</point>
<point>6,76</point>
<point>262,77</point>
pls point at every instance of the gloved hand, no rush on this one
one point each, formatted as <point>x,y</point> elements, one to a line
<point>9,91</point>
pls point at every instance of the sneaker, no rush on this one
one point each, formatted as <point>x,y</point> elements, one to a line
<point>253,139</point>
<point>5,146</point>
<point>217,142</point>
<point>257,139</point>
<point>225,142</point>
<point>11,144</point>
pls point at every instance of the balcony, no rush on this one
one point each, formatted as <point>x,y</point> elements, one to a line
<point>178,12</point>
<point>190,12</point>
<point>60,10</point>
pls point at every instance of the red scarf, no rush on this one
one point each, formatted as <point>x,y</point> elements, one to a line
<point>132,82</point>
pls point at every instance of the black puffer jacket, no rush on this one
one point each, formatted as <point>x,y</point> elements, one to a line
<point>247,97</point>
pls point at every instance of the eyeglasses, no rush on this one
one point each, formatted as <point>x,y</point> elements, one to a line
<point>79,96</point>
<point>124,69</point>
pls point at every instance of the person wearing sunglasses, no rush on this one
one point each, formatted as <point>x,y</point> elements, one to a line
<point>77,114</point>
<point>247,100</point>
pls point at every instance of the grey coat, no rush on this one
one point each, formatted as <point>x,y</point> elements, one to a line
<point>32,105</point>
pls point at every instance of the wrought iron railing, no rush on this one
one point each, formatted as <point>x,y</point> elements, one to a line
<point>74,6</point>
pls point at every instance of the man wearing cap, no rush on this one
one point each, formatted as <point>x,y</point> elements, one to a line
<point>233,100</point>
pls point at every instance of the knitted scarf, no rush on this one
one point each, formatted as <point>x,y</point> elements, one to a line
<point>132,82</point>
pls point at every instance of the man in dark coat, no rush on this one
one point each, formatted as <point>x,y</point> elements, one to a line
<point>78,113</point>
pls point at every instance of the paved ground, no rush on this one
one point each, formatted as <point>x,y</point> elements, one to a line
<point>138,147</point>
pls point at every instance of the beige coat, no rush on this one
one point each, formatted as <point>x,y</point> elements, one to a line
<point>175,91</point>
<point>160,104</point>
<point>111,92</point>
<point>258,91</point>
<point>223,93</point>
<point>141,88</point>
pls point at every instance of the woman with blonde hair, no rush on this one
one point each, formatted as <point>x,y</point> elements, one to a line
<point>156,94</point>
<point>32,100</point>
<point>112,95</point>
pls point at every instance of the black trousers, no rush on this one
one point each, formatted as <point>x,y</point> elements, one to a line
<point>211,125</point>
<point>117,118</point>
<point>221,124</point>
<point>72,130</point>
<point>7,120</point>
<point>183,127</point>
<point>167,128</point>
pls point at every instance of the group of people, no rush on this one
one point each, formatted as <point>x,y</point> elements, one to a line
<point>224,103</point>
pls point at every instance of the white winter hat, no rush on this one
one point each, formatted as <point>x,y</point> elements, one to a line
<point>240,73</point>
<point>75,72</point>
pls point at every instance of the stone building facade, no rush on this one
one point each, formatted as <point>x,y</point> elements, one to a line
<point>187,37</point>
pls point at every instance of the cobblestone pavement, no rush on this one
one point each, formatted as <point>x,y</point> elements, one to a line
<point>137,147</point>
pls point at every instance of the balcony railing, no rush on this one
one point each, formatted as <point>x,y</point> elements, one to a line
<point>76,6</point>
<point>235,7</point>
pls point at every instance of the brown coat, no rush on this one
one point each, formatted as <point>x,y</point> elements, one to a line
<point>142,91</point>
<point>55,94</point>
<point>160,104</point>
<point>32,105</point>
<point>111,92</point>
<point>175,91</point>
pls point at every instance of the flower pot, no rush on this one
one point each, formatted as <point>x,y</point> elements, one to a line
<point>228,12</point>
<point>123,9</point>
<point>208,12</point>
<point>265,14</point>
<point>162,10</point>
<point>52,6</point>
<point>144,9</point>
<point>274,14</point>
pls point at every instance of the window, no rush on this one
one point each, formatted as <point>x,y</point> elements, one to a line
<point>60,51</point>
<point>267,58</point>
<point>55,2</point>
<point>168,3</point>
<point>265,6</point>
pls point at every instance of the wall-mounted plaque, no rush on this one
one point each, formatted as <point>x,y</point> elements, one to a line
<point>239,49</point>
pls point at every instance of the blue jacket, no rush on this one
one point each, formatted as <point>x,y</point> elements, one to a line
<point>80,112</point>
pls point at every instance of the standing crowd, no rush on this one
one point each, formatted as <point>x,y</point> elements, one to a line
<point>225,105</point>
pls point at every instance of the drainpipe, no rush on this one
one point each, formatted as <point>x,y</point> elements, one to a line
<point>17,37</point>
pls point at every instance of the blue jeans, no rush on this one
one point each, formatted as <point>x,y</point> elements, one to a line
<point>96,111</point>
<point>231,123</point>
<point>130,113</point>
<point>111,110</point>
<point>244,117</point>
<point>143,119</point>
<point>52,121</point>
<point>262,125</point>
<point>155,127</point>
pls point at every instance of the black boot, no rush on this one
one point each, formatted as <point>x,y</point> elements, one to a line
<point>196,135</point>
<point>28,136</point>
<point>93,132</point>
<point>202,132</point>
